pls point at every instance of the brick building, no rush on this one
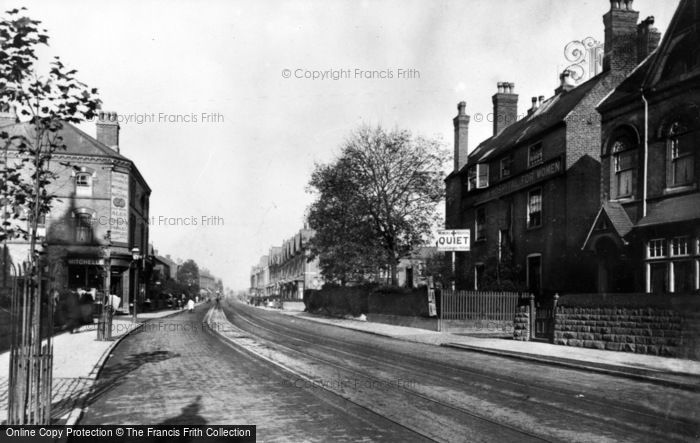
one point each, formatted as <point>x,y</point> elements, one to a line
<point>102,200</point>
<point>531,191</point>
<point>286,272</point>
<point>647,232</point>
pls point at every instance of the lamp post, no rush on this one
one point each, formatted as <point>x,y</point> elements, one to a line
<point>136,258</point>
<point>104,331</point>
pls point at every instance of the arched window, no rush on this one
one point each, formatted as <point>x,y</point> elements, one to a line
<point>624,158</point>
<point>681,155</point>
<point>83,228</point>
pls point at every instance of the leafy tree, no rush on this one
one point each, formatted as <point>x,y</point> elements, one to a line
<point>377,202</point>
<point>188,276</point>
<point>45,101</point>
<point>439,266</point>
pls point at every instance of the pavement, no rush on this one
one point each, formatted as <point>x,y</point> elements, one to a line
<point>74,378</point>
<point>684,374</point>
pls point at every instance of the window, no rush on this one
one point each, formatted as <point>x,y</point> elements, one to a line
<point>657,248</point>
<point>83,228</point>
<point>625,164</point>
<point>680,247</point>
<point>505,167</point>
<point>479,269</point>
<point>83,184</point>
<point>478,177</point>
<point>535,155</point>
<point>681,167</point>
<point>480,224</point>
<point>534,208</point>
<point>471,178</point>
<point>534,273</point>
<point>658,278</point>
<point>683,277</point>
<point>503,243</point>
<point>483,173</point>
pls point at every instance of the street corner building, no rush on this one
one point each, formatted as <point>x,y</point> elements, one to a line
<point>647,231</point>
<point>531,192</point>
<point>99,215</point>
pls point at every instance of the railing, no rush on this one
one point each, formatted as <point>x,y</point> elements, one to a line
<point>31,352</point>
<point>477,310</point>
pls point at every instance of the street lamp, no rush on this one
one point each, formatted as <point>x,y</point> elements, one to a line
<point>104,331</point>
<point>136,257</point>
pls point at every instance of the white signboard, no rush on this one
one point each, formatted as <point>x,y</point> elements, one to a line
<point>119,217</point>
<point>454,240</point>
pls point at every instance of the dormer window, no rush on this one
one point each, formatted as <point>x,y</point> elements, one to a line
<point>505,167</point>
<point>535,155</point>
<point>83,184</point>
<point>471,178</point>
<point>483,176</point>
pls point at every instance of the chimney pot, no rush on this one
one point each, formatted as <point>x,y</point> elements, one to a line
<point>107,129</point>
<point>461,107</point>
<point>505,107</point>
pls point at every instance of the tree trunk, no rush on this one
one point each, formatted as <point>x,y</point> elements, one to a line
<point>394,273</point>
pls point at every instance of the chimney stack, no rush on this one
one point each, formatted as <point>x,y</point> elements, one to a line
<point>108,129</point>
<point>534,106</point>
<point>648,38</point>
<point>461,124</point>
<point>621,39</point>
<point>505,107</point>
<point>567,83</point>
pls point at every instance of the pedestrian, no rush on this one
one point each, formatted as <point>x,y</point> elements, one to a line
<point>190,305</point>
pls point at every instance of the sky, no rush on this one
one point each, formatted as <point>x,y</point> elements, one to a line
<point>222,114</point>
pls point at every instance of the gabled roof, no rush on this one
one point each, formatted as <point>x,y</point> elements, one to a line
<point>617,216</point>
<point>77,142</point>
<point>649,73</point>
<point>552,113</point>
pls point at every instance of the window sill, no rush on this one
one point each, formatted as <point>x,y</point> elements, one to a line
<point>680,189</point>
<point>534,228</point>
<point>625,199</point>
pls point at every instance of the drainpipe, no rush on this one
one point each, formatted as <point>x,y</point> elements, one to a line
<point>646,154</point>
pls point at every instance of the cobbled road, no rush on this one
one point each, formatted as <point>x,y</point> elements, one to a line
<point>351,386</point>
<point>175,372</point>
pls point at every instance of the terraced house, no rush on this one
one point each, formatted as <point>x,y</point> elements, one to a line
<point>531,192</point>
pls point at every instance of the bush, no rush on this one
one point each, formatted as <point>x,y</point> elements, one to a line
<point>367,299</point>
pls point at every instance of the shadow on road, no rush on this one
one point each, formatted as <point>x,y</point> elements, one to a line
<point>111,377</point>
<point>189,416</point>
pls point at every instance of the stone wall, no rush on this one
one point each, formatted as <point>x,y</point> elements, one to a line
<point>654,331</point>
<point>665,325</point>
<point>521,324</point>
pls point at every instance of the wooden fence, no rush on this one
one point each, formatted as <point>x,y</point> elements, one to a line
<point>477,311</point>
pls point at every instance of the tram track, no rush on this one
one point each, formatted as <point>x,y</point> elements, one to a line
<point>496,431</point>
<point>632,420</point>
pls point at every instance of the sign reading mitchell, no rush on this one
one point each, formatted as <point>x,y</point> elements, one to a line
<point>547,170</point>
